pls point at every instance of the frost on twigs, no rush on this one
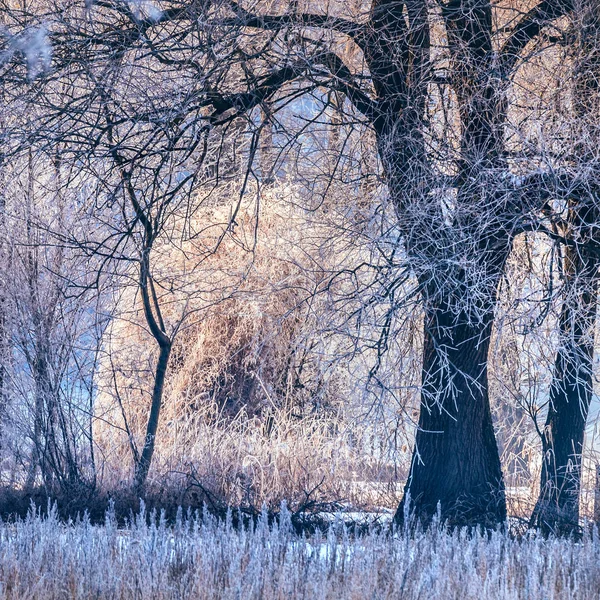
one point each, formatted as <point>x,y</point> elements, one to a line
<point>34,45</point>
<point>144,9</point>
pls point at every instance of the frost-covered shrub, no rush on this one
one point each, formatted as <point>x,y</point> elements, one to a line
<point>205,559</point>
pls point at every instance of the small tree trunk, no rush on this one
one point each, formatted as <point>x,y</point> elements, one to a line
<point>455,462</point>
<point>557,508</point>
<point>143,466</point>
<point>597,497</point>
<point>267,153</point>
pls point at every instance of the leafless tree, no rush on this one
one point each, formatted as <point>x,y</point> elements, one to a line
<point>52,335</point>
<point>431,81</point>
<point>557,508</point>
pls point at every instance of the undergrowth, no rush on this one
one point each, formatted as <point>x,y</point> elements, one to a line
<point>199,556</point>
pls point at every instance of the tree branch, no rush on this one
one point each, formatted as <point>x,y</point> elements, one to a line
<point>245,101</point>
<point>356,31</point>
<point>529,27</point>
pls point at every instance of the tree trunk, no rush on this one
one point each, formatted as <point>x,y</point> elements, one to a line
<point>597,497</point>
<point>455,461</point>
<point>143,466</point>
<point>557,507</point>
<point>267,149</point>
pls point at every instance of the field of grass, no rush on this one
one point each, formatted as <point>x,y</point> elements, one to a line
<point>40,557</point>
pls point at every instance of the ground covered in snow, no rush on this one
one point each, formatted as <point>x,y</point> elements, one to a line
<point>203,558</point>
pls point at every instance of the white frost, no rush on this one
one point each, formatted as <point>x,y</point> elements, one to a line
<point>145,8</point>
<point>36,48</point>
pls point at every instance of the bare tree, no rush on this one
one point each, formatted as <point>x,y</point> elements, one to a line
<point>459,200</point>
<point>53,331</point>
<point>557,508</point>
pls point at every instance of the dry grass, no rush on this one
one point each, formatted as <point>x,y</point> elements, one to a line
<point>256,410</point>
<point>203,558</point>
<point>266,398</point>
<point>248,462</point>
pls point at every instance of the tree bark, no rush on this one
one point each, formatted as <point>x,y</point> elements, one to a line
<point>455,465</point>
<point>557,507</point>
<point>143,466</point>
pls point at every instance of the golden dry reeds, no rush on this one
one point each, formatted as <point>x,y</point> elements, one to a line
<point>252,413</point>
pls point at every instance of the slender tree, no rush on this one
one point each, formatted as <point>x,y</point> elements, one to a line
<point>557,508</point>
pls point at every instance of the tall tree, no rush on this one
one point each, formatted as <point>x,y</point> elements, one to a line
<point>458,258</point>
<point>557,507</point>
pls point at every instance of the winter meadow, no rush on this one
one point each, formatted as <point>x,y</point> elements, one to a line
<point>298,299</point>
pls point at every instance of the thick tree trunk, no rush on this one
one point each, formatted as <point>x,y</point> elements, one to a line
<point>457,257</point>
<point>455,462</point>
<point>557,508</point>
